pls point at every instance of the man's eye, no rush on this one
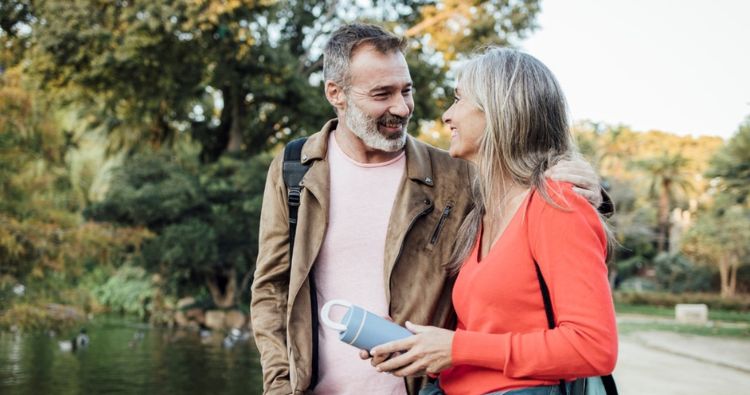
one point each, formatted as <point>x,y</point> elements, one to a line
<point>406,91</point>
<point>456,99</point>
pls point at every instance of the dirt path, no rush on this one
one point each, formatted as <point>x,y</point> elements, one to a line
<point>663,363</point>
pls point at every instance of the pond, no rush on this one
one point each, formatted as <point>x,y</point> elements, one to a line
<point>127,358</point>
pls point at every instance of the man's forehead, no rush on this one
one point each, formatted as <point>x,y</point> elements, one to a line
<point>371,69</point>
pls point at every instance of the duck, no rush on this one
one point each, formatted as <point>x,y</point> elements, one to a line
<point>79,341</point>
<point>204,331</point>
<point>137,338</point>
<point>235,336</point>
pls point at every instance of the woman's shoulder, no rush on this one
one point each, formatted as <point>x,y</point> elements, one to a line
<point>560,196</point>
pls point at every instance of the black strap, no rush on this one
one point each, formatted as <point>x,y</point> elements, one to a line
<point>549,312</point>
<point>293,171</point>
<point>608,380</point>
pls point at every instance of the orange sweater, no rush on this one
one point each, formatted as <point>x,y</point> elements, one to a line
<point>502,340</point>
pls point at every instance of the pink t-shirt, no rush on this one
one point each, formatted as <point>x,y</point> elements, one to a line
<point>350,266</point>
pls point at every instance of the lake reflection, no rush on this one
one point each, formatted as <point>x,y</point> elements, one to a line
<point>126,358</point>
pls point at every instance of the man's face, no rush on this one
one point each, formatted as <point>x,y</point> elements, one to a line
<point>379,99</point>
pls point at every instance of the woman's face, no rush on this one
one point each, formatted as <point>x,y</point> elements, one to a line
<point>467,124</point>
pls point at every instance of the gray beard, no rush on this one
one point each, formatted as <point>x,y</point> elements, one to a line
<point>366,128</point>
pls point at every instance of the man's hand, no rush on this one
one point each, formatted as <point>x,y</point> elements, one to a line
<point>579,173</point>
<point>428,351</point>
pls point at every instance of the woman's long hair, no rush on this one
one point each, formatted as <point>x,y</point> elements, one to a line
<point>526,131</point>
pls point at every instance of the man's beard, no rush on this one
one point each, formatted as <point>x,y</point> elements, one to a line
<point>366,128</point>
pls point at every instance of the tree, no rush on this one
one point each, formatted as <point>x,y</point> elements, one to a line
<point>205,219</point>
<point>238,75</point>
<point>731,166</point>
<point>720,239</point>
<point>668,175</point>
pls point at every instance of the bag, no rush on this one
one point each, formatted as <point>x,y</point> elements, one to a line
<point>292,171</point>
<point>604,385</point>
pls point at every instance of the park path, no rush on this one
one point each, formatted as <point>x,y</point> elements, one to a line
<point>665,363</point>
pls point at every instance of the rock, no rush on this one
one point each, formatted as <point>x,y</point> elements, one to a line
<point>185,302</point>
<point>181,319</point>
<point>691,313</point>
<point>215,319</point>
<point>235,319</point>
<point>196,314</point>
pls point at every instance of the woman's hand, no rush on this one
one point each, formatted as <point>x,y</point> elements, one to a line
<point>579,173</point>
<point>428,351</point>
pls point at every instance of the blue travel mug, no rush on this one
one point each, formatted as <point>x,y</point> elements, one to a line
<point>361,328</point>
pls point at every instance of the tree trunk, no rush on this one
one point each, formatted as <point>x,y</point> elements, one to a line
<point>223,287</point>
<point>664,203</point>
<point>733,277</point>
<point>245,283</point>
<point>724,275</point>
<point>235,130</point>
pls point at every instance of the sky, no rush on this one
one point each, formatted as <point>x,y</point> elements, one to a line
<point>679,66</point>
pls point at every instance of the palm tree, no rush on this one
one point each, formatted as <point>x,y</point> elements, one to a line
<point>668,174</point>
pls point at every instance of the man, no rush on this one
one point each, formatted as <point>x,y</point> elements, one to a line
<point>378,214</point>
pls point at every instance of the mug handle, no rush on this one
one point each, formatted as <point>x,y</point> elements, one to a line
<point>325,311</point>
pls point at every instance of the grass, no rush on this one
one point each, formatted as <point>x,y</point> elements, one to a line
<point>668,312</point>
<point>719,328</point>
<point>701,330</point>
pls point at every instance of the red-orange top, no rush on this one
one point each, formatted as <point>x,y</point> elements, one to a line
<point>502,339</point>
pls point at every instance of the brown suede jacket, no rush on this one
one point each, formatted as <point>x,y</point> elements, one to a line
<point>432,200</point>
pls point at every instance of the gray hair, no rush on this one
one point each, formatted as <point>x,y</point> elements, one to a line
<point>526,131</point>
<point>346,39</point>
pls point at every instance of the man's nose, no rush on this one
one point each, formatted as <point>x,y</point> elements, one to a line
<point>400,106</point>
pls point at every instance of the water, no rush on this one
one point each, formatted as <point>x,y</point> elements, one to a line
<point>118,362</point>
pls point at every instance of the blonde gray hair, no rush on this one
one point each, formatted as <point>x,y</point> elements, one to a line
<point>526,131</point>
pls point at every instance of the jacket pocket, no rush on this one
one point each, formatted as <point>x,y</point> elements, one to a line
<point>435,235</point>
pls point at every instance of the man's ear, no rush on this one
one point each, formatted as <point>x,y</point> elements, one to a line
<point>335,95</point>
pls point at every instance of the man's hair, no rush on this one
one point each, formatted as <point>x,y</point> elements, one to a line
<point>346,39</point>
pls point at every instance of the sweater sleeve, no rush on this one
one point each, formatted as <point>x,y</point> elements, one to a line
<point>569,244</point>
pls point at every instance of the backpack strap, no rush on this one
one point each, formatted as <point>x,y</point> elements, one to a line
<point>293,171</point>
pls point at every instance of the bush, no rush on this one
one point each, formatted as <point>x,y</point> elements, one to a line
<point>129,291</point>
<point>714,301</point>
<point>677,273</point>
<point>32,317</point>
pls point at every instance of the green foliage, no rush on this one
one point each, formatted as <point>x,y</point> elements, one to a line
<point>649,175</point>
<point>676,273</point>
<point>719,239</point>
<point>205,217</point>
<point>32,316</point>
<point>129,290</point>
<point>732,166</point>
<point>237,75</point>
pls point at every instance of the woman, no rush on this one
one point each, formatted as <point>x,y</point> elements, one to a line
<point>509,118</point>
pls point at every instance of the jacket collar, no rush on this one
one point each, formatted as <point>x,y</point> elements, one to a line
<point>418,163</point>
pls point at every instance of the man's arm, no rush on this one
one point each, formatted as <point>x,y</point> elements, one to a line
<point>586,183</point>
<point>271,285</point>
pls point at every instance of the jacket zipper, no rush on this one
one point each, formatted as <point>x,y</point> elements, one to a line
<point>411,224</point>
<point>441,222</point>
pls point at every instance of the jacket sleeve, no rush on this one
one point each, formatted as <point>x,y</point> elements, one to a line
<point>570,247</point>
<point>271,284</point>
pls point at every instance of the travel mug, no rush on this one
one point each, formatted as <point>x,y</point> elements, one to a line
<point>361,328</point>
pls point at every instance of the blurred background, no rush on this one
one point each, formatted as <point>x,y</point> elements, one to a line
<point>135,137</point>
